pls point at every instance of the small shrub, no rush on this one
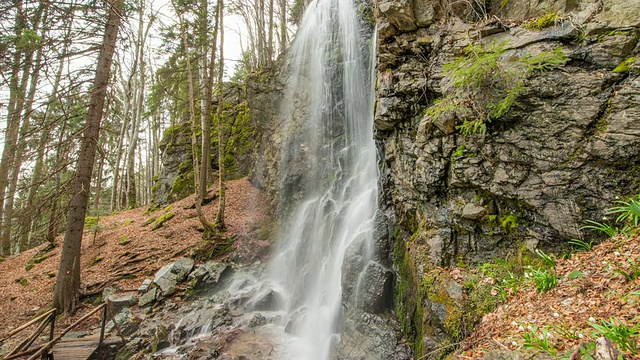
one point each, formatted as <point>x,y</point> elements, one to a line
<point>586,246</point>
<point>618,332</point>
<point>627,211</point>
<point>543,280</point>
<point>538,339</point>
<point>487,84</point>
<point>633,272</point>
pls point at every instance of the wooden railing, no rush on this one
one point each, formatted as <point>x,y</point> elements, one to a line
<point>26,348</point>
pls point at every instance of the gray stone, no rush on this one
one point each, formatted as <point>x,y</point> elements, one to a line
<point>148,298</point>
<point>472,211</point>
<point>127,322</point>
<point>377,294</point>
<point>605,350</point>
<point>268,301</point>
<point>209,274</point>
<point>118,303</point>
<point>170,275</point>
<point>108,291</point>
<point>399,13</point>
<point>424,12</point>
<point>145,285</point>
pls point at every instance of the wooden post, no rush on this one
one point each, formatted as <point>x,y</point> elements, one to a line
<point>51,330</point>
<point>102,326</point>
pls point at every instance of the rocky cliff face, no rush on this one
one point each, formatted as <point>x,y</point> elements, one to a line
<point>175,180</point>
<point>565,149</point>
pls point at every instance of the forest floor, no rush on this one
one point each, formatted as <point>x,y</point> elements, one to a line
<point>597,294</point>
<point>122,250</point>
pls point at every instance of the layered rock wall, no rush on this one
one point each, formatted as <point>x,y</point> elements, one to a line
<point>563,153</point>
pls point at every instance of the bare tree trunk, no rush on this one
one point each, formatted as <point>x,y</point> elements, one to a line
<point>219,222</point>
<point>68,280</point>
<point>283,25</point>
<point>29,221</point>
<point>192,105</point>
<point>270,48</point>
<point>205,161</point>
<point>96,198</point>
<point>16,99</point>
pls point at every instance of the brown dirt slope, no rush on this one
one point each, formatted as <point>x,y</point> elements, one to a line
<point>123,251</point>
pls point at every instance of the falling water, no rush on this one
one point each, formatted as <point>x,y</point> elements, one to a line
<point>329,176</point>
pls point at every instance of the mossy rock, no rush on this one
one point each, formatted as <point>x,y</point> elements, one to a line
<point>40,256</point>
<point>161,220</point>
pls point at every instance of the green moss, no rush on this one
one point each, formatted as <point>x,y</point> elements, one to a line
<point>22,281</point>
<point>543,22</point>
<point>625,66</point>
<point>127,223</point>
<point>407,300</point>
<point>149,221</point>
<point>168,209</point>
<point>152,208</point>
<point>509,222</point>
<point>182,186</point>
<point>96,260</point>
<point>40,256</point>
<point>161,220</point>
<point>124,239</point>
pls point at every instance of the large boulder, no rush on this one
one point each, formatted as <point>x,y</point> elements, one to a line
<point>172,274</point>
<point>399,13</point>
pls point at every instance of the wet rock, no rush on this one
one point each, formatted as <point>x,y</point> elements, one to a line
<point>370,337</point>
<point>160,338</point>
<point>399,13</point>
<point>377,288</point>
<point>258,320</point>
<point>148,298</point>
<point>269,301</point>
<point>170,275</point>
<point>118,303</point>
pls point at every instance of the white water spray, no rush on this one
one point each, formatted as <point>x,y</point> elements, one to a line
<point>329,174</point>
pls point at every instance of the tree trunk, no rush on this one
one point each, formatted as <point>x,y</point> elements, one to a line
<point>68,280</point>
<point>24,129</point>
<point>219,223</point>
<point>16,96</point>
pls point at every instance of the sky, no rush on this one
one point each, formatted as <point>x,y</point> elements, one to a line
<point>235,35</point>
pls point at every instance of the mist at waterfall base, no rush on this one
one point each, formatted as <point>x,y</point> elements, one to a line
<point>330,229</point>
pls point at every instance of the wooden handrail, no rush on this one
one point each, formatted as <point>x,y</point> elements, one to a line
<point>33,321</point>
<point>51,343</point>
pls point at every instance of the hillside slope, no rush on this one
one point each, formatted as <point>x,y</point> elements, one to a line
<point>121,251</point>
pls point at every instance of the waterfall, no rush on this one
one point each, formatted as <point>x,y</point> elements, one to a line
<point>329,177</point>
